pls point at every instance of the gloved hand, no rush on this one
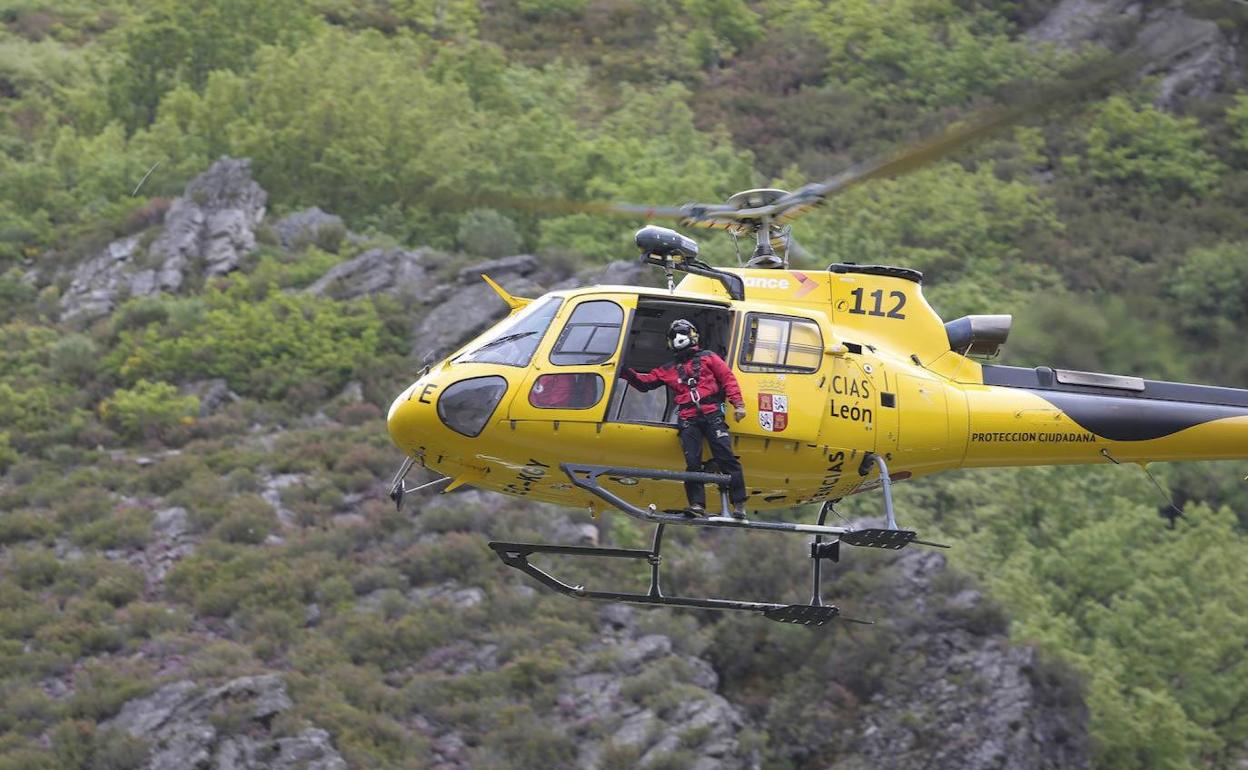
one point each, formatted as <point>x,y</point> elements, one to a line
<point>738,413</point>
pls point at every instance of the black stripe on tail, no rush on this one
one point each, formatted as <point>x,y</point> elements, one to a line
<point>1124,408</point>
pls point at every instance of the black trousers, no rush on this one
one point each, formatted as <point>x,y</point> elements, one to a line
<point>714,429</point>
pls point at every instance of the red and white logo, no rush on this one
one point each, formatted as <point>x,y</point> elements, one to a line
<point>773,411</point>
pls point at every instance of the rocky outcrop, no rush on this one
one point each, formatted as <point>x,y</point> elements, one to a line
<point>1206,66</point>
<point>702,722</point>
<point>99,281</point>
<point>469,306</point>
<point>226,728</point>
<point>209,229</point>
<point>956,694</point>
<point>598,692</point>
<point>310,227</point>
<point>1073,22</point>
<point>382,271</point>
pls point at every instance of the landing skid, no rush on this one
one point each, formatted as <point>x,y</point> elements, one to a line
<point>816,613</point>
<point>517,555</point>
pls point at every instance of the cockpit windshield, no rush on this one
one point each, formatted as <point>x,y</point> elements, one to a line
<point>513,342</point>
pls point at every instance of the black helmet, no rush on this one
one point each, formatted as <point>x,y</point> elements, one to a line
<point>681,335</point>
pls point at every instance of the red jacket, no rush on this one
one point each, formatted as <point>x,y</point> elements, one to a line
<point>715,379</point>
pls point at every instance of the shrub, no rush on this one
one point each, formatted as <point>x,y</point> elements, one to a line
<point>83,746</point>
<point>83,506</point>
<point>359,414</point>
<point>8,455</point>
<point>101,689</point>
<point>262,341</point>
<point>37,568</point>
<point>74,359</point>
<point>525,741</point>
<point>148,620</point>
<point>170,473</point>
<point>453,556</point>
<point>128,529</point>
<point>249,519</point>
<point>24,525</point>
<point>487,233</point>
<point>148,410</point>
<point>26,709</point>
<point>120,587</point>
<point>1141,145</point>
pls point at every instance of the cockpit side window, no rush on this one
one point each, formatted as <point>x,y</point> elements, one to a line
<point>513,342</point>
<point>590,336</point>
<point>775,343</point>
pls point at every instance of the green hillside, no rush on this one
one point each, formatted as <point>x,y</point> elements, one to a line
<point>193,460</point>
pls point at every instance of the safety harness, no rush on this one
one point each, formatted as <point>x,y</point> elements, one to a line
<point>695,377</point>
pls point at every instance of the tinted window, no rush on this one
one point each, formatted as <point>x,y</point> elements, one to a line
<point>566,391</point>
<point>781,343</point>
<point>590,335</point>
<point>466,406</point>
<point>514,340</point>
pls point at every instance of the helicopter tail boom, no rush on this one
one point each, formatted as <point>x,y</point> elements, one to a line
<point>1053,416</point>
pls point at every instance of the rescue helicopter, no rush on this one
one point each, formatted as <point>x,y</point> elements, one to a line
<point>851,380</point>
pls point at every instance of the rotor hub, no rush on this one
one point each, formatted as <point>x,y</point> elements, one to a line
<point>752,199</point>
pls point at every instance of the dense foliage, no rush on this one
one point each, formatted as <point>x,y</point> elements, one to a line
<point>1114,232</point>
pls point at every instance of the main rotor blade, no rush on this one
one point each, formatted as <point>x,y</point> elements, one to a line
<point>1063,93</point>
<point>557,206</point>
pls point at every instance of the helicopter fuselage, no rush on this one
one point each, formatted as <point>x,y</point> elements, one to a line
<point>832,365</point>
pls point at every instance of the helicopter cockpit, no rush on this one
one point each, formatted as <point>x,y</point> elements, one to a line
<point>513,342</point>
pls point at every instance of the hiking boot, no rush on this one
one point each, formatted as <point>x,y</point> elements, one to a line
<point>695,511</point>
<point>738,510</point>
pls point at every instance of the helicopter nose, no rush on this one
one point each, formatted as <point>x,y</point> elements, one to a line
<point>412,419</point>
<point>432,410</point>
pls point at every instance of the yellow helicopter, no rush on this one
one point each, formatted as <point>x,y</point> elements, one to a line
<point>851,382</point>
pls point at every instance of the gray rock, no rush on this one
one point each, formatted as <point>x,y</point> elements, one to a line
<point>636,730</point>
<point>309,750</point>
<point>1073,22</point>
<point>99,281</point>
<point>380,271</point>
<point>465,313</point>
<point>210,228</point>
<point>621,272</point>
<point>704,723</point>
<point>213,222</point>
<point>213,395</point>
<point>621,616</point>
<point>272,494</point>
<point>1203,69</point>
<point>170,522</point>
<point>520,265</point>
<point>958,694</point>
<point>634,652</point>
<point>177,723</point>
<point>309,227</point>
<point>449,593</point>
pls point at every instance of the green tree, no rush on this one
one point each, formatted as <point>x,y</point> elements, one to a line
<point>1139,145</point>
<point>183,42</point>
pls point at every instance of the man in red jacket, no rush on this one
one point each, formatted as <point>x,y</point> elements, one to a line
<point>700,382</point>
